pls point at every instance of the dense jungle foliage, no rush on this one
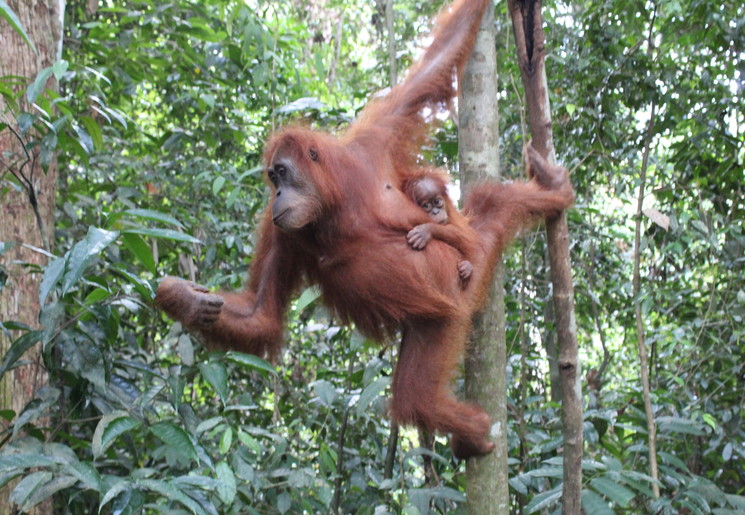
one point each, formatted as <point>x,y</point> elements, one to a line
<point>157,132</point>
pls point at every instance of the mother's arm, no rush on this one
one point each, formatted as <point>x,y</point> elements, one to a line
<point>248,321</point>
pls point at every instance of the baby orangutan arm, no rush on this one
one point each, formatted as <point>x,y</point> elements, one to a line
<point>455,236</point>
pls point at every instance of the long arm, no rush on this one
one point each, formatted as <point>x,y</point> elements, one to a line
<point>497,211</point>
<point>429,84</point>
<point>250,321</point>
<point>462,239</point>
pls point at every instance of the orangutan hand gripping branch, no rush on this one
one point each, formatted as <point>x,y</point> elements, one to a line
<point>338,217</point>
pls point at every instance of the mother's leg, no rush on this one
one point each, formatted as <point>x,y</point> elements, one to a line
<point>422,393</point>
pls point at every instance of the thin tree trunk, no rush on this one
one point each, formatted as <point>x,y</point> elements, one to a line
<point>27,215</point>
<point>486,476</point>
<point>644,370</point>
<point>641,343</point>
<point>530,42</point>
<point>390,23</point>
<point>337,52</point>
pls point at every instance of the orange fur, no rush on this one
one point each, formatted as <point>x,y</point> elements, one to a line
<point>355,247</point>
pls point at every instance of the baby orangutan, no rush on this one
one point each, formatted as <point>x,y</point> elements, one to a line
<point>429,191</point>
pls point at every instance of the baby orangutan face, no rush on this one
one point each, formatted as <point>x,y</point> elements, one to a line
<point>430,197</point>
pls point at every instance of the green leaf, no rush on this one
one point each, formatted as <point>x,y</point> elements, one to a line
<point>9,16</point>
<point>167,234</point>
<point>109,427</point>
<point>249,441</point>
<point>232,197</point>
<point>185,349</point>
<point>593,503</point>
<point>226,440</point>
<point>544,500</point>
<point>176,438</point>
<point>307,297</point>
<point>679,425</point>
<point>140,249</point>
<point>150,214</point>
<point>80,256</point>
<point>37,87</point>
<point>617,493</point>
<point>208,424</point>
<point>250,361</point>
<point>59,68</point>
<point>284,503</point>
<point>25,122</point>
<point>518,485</point>
<point>87,474</point>
<point>171,492</point>
<point>94,131</point>
<point>216,375</point>
<point>18,348</point>
<point>46,490</point>
<point>226,486</point>
<point>325,391</point>
<point>673,460</point>
<point>25,489</point>
<point>96,296</point>
<point>47,396</point>
<point>113,492</point>
<point>217,184</point>
<point>83,138</point>
<point>24,461</point>
<point>371,392</point>
<point>52,275</point>
<point>208,99</point>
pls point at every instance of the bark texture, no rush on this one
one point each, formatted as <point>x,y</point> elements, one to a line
<point>527,24</point>
<point>487,488</point>
<point>19,298</point>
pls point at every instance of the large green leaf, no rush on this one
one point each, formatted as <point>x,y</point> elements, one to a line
<point>176,438</point>
<point>543,500</point>
<point>39,407</point>
<point>47,489</point>
<point>150,214</point>
<point>168,234</point>
<point>87,474</point>
<point>11,17</point>
<point>18,349</point>
<point>226,488</point>
<point>140,249</point>
<point>172,493</point>
<point>109,428</point>
<point>216,375</point>
<point>251,361</point>
<point>614,491</point>
<point>372,392</point>
<point>593,503</point>
<point>81,255</point>
<point>52,275</point>
<point>23,492</point>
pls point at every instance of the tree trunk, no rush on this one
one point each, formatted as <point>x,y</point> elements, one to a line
<point>390,24</point>
<point>527,24</point>
<point>21,223</point>
<point>640,338</point>
<point>641,341</point>
<point>487,488</point>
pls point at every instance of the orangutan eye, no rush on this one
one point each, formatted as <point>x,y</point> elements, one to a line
<point>313,153</point>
